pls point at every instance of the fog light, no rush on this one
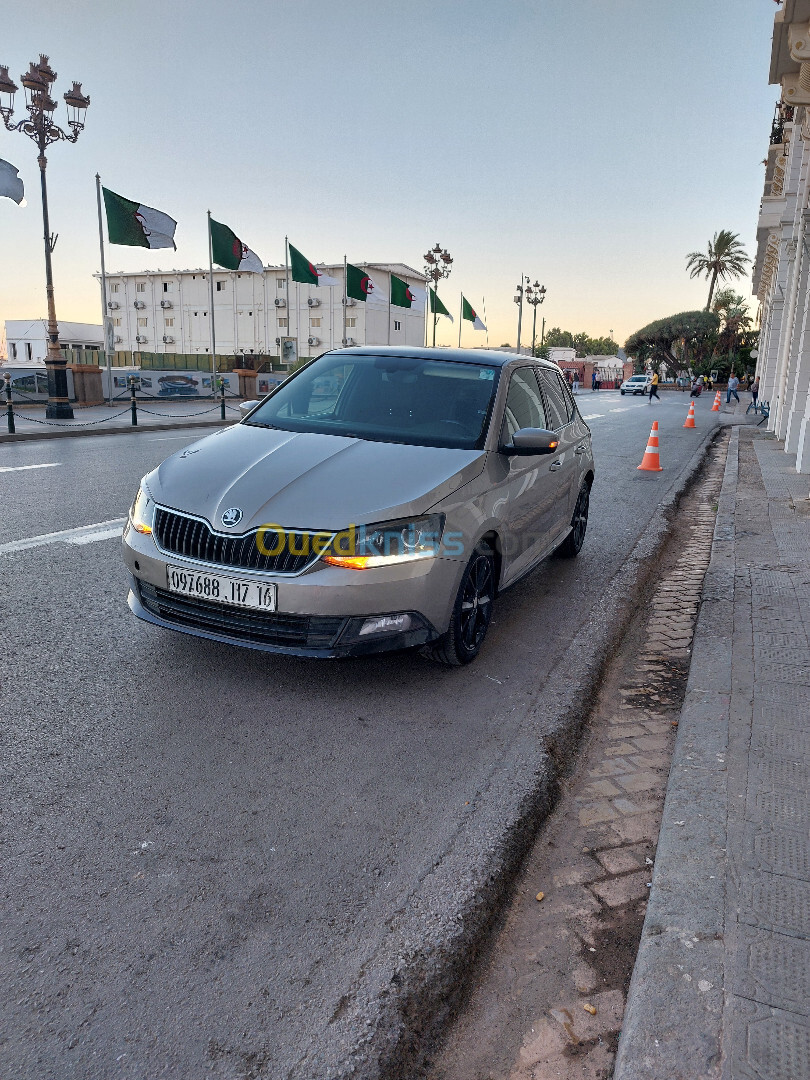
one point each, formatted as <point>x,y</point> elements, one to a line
<point>385,624</point>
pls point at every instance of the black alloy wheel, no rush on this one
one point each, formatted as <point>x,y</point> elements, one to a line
<point>579,523</point>
<point>472,612</point>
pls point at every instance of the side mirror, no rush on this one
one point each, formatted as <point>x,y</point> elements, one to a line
<point>247,406</point>
<point>530,441</point>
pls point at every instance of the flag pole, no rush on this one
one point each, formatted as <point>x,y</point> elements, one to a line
<point>104,316</point>
<point>345,298</point>
<point>486,320</point>
<point>212,328</point>
<point>389,307</point>
<point>460,318</point>
<point>289,296</point>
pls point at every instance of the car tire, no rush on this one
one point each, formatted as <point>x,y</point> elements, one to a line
<point>571,546</point>
<point>623,392</point>
<point>472,612</point>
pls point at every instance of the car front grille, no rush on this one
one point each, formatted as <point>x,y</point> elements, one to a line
<point>263,628</point>
<point>181,535</point>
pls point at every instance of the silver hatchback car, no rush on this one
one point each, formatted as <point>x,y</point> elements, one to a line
<point>378,499</point>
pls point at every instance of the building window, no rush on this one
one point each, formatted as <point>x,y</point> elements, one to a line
<point>281,283</point>
<point>116,322</point>
<point>314,322</point>
<point>140,287</point>
<point>13,351</point>
<point>397,325</point>
<point>114,287</point>
<point>167,286</point>
<point>220,286</point>
<point>28,355</point>
<point>143,322</point>
<point>351,322</point>
<point>282,324</point>
<point>195,314</point>
<point>170,322</point>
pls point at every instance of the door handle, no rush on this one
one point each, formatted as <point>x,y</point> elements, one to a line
<point>555,465</point>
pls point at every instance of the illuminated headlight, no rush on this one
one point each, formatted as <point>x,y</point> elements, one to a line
<point>142,513</point>
<point>383,545</point>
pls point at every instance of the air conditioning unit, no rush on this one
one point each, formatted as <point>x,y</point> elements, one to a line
<point>280,301</point>
<point>139,304</point>
<point>118,340</point>
<point>168,340</point>
<point>113,305</point>
<point>350,301</point>
<point>313,301</point>
<point>165,303</point>
<point>141,340</point>
<point>313,341</point>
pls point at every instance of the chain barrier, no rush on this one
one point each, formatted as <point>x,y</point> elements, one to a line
<point>178,416</point>
<point>54,423</point>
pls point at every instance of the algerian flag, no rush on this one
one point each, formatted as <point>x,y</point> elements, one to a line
<point>405,295</point>
<point>135,225</point>
<point>359,285</point>
<point>437,307</point>
<point>11,186</point>
<point>468,313</point>
<point>229,251</point>
<point>302,270</point>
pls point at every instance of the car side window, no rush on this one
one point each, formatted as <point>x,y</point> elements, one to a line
<point>567,395</point>
<point>556,405</point>
<point>524,405</point>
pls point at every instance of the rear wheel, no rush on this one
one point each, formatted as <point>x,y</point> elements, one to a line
<point>579,524</point>
<point>472,612</point>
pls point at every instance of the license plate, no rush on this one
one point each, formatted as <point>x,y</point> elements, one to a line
<point>222,589</point>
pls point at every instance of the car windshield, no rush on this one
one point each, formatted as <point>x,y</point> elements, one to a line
<point>402,399</point>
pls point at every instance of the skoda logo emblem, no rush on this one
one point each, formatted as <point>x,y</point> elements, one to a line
<point>231,517</point>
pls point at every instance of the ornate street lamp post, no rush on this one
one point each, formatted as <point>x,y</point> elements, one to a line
<point>535,294</point>
<point>438,264</point>
<point>39,126</point>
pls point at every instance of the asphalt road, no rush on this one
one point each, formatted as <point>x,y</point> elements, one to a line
<point>203,847</point>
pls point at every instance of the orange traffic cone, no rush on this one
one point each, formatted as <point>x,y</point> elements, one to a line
<point>716,406</point>
<point>650,463</point>
<point>690,420</point>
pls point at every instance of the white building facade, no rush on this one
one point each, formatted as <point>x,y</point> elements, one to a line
<point>27,341</point>
<point>168,312</point>
<point>782,266</point>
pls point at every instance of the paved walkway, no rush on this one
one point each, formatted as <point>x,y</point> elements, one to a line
<point>721,987</point>
<point>104,420</point>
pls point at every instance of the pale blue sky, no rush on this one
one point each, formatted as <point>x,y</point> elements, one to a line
<point>590,144</point>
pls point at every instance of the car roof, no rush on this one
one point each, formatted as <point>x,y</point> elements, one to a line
<point>489,357</point>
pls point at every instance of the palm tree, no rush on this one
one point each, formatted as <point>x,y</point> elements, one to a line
<point>726,258</point>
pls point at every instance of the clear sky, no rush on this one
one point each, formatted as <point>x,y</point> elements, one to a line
<point>590,145</point>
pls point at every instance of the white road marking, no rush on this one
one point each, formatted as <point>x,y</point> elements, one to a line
<point>20,468</point>
<point>85,534</point>
<point>593,415</point>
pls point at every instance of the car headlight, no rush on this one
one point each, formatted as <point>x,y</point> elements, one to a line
<point>142,512</point>
<point>366,546</point>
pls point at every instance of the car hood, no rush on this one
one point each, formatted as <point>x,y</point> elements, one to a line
<point>307,481</point>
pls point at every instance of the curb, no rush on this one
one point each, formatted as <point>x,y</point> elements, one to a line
<point>384,1027</point>
<point>673,1018</point>
<point>121,429</point>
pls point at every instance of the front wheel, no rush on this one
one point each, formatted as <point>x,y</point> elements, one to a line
<point>570,547</point>
<point>472,612</point>
<point>623,392</point>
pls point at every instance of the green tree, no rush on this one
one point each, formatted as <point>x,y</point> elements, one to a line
<point>725,258</point>
<point>681,341</point>
<point>555,337</point>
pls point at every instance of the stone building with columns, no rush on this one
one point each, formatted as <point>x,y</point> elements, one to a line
<point>781,276</point>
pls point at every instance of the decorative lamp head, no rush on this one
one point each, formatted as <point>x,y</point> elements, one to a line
<point>45,70</point>
<point>35,86</point>
<point>77,103</point>
<point>8,88</point>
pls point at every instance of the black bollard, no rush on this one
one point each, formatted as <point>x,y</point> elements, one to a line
<point>133,402</point>
<point>9,406</point>
<point>222,398</point>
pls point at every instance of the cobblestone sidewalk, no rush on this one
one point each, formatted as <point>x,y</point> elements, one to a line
<point>721,987</point>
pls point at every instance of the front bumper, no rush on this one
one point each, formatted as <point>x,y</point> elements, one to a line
<point>319,611</point>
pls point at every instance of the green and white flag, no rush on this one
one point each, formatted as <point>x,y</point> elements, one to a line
<point>228,250</point>
<point>302,270</point>
<point>359,286</point>
<point>135,225</point>
<point>11,186</point>
<point>405,295</point>
<point>468,313</point>
<point>437,307</point>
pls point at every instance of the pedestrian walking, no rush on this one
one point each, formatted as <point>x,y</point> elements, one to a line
<point>576,382</point>
<point>733,383</point>
<point>755,390</point>
<point>654,387</point>
<point>593,379</point>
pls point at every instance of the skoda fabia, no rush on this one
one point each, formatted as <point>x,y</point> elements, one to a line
<point>378,499</point>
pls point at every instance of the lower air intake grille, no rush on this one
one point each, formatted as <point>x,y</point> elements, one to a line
<point>263,628</point>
